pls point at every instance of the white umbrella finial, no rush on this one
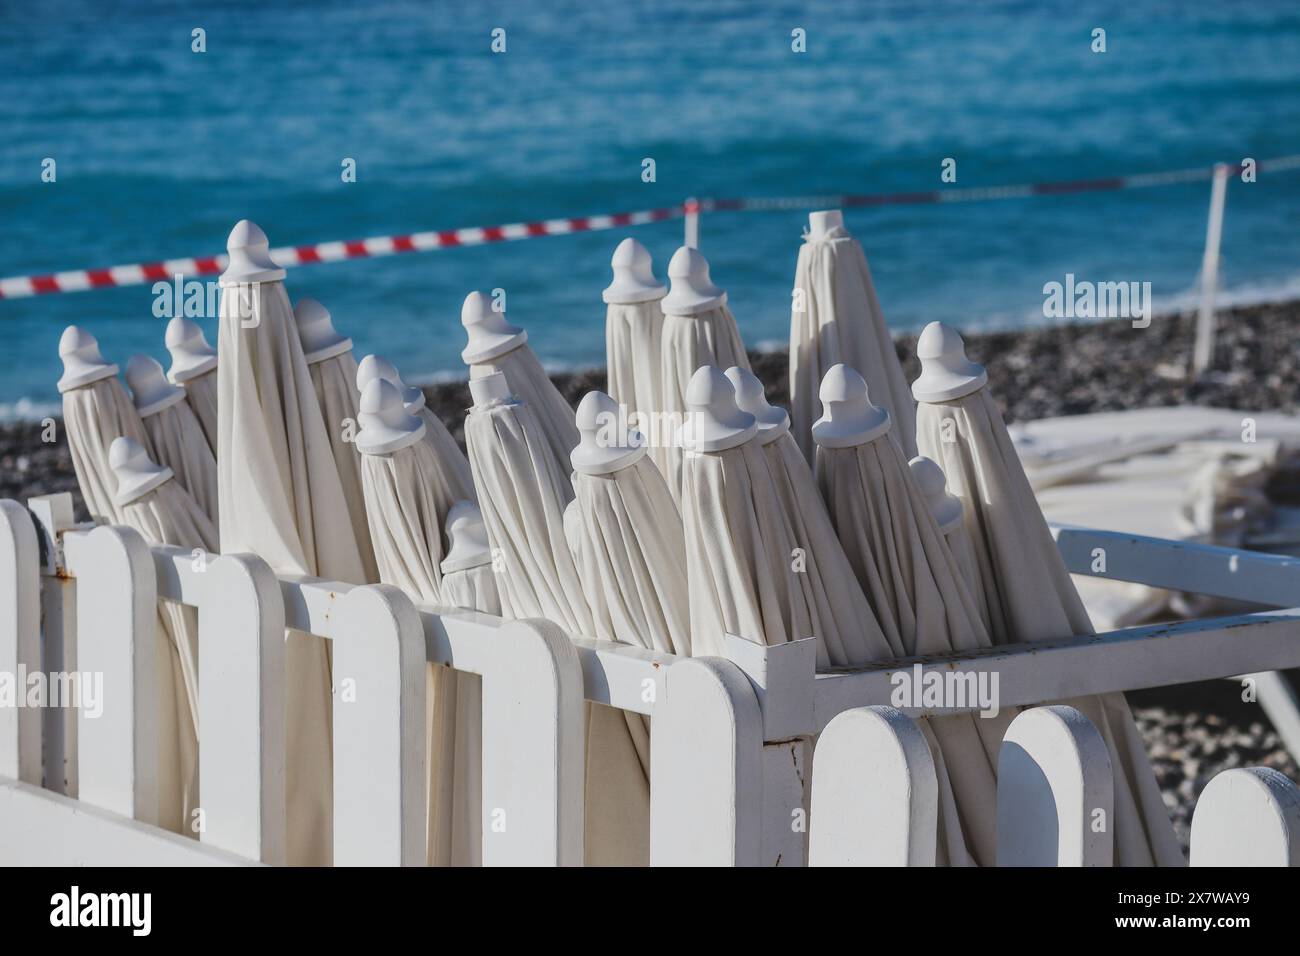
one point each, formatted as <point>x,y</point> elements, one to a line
<point>467,536</point>
<point>713,420</point>
<point>490,335</point>
<point>946,373</point>
<point>150,389</point>
<point>191,354</point>
<point>823,221</point>
<point>376,366</point>
<point>929,477</point>
<point>320,340</point>
<point>606,442</point>
<point>692,290</point>
<point>82,363</point>
<point>848,416</point>
<point>773,421</point>
<point>136,472</point>
<point>386,425</point>
<point>634,276</point>
<point>250,256</point>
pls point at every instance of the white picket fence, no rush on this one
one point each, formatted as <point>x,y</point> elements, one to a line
<point>732,737</point>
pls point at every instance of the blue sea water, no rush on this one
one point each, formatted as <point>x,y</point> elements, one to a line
<point>160,150</point>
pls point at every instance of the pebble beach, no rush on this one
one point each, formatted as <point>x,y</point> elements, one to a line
<point>1192,731</point>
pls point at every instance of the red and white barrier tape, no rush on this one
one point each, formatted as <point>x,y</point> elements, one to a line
<point>81,279</point>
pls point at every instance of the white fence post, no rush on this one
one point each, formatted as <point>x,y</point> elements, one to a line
<point>1203,352</point>
<point>1055,791</point>
<point>241,708</point>
<point>20,642</point>
<point>117,751</point>
<point>706,758</point>
<point>875,796</point>
<point>533,746</point>
<point>380,775</point>
<point>1247,817</point>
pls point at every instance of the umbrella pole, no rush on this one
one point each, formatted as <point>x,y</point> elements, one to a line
<point>1203,353</point>
<point>692,238</point>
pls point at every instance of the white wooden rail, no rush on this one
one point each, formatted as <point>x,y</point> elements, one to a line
<point>732,737</point>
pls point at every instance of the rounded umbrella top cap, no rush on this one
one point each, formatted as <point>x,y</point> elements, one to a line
<point>823,221</point>
<point>469,542</point>
<point>692,290</point>
<point>249,256</point>
<point>376,366</point>
<point>606,444</point>
<point>137,474</point>
<point>320,340</point>
<point>634,276</point>
<point>946,373</point>
<point>82,363</point>
<point>191,354</point>
<point>773,421</point>
<point>490,335</point>
<point>713,420</point>
<point>150,389</point>
<point>945,507</point>
<point>490,389</point>
<point>848,416</point>
<point>386,425</point>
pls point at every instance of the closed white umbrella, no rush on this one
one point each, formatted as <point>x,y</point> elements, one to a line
<point>174,431</point>
<point>165,513</point>
<point>194,365</point>
<point>1022,578</point>
<point>915,586</point>
<point>742,560</point>
<point>281,498</point>
<point>497,346</point>
<point>453,481</point>
<point>96,410</point>
<point>522,493</point>
<point>947,511</point>
<point>844,621</point>
<point>333,372</point>
<point>698,329</point>
<point>633,331</point>
<point>468,578</point>
<point>396,469</point>
<point>836,318</point>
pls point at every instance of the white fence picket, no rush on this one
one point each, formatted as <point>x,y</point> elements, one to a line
<point>1247,817</point>
<point>705,753</point>
<point>1055,791</point>
<point>20,642</point>
<point>117,643</point>
<point>875,797</point>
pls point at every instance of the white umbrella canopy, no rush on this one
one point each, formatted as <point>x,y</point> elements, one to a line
<point>396,468</point>
<point>522,494</point>
<point>96,410</point>
<point>947,511</point>
<point>1023,582</point>
<point>633,331</point>
<point>163,512</point>
<point>333,371</point>
<point>453,481</point>
<point>742,550</point>
<point>845,622</point>
<point>468,578</point>
<point>281,498</point>
<point>836,318</point>
<point>916,589</point>
<point>497,346</point>
<point>194,366</point>
<point>698,330</point>
<point>174,430</point>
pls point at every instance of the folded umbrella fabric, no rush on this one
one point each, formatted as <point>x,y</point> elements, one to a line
<point>194,366</point>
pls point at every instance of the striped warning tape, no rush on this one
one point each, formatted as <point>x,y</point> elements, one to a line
<point>82,279</point>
